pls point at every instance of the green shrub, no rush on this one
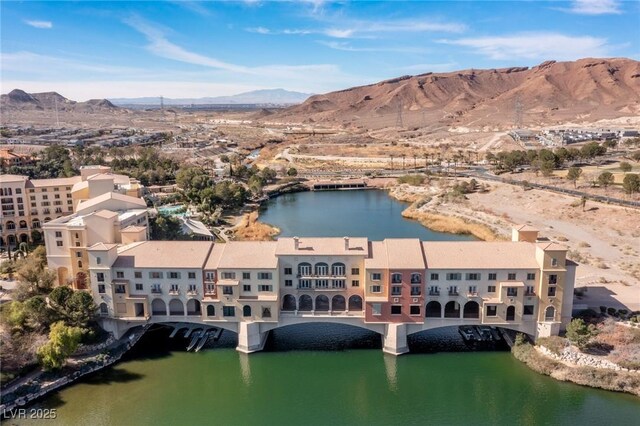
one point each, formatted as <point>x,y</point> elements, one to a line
<point>414,180</point>
<point>611,311</point>
<point>603,309</point>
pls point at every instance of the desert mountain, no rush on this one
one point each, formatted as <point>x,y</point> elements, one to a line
<point>585,90</point>
<point>20,100</point>
<point>260,97</point>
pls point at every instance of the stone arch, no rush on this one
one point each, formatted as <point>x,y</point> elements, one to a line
<point>452,309</point>
<point>550,313</point>
<point>471,310</point>
<point>246,311</point>
<point>176,307</point>
<point>158,307</point>
<point>355,303</point>
<point>321,268</point>
<point>104,309</point>
<point>433,310</point>
<point>305,303</point>
<point>511,313</point>
<point>194,307</point>
<point>211,311</point>
<point>289,303</point>
<point>304,268</point>
<point>338,268</point>
<point>322,303</point>
<point>338,303</point>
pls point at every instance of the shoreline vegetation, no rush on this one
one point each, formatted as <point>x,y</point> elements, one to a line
<point>249,228</point>
<point>450,224</point>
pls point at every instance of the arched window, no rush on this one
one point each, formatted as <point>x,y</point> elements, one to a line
<point>511,313</point>
<point>288,303</point>
<point>193,307</point>
<point>158,307</point>
<point>104,309</point>
<point>322,303</point>
<point>452,310</point>
<point>305,303</point>
<point>355,303</point>
<point>471,310</point>
<point>23,224</point>
<point>433,310</point>
<point>550,313</point>
<point>416,278</point>
<point>338,269</point>
<point>11,225</point>
<point>176,307</point>
<point>396,278</point>
<point>338,303</point>
<point>79,263</point>
<point>246,311</point>
<point>35,223</point>
<point>211,311</point>
<point>321,269</point>
<point>304,269</point>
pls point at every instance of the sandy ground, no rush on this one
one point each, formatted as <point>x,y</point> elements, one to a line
<point>603,239</point>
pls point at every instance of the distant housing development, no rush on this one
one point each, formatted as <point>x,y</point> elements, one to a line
<point>394,287</point>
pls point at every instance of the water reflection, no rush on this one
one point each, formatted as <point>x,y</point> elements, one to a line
<point>245,368</point>
<point>391,369</point>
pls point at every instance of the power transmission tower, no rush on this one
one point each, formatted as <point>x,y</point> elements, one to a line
<point>399,116</point>
<point>517,119</point>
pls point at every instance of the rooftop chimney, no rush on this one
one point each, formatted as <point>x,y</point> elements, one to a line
<point>296,243</point>
<point>346,243</point>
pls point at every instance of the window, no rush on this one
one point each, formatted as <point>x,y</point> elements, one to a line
<point>376,309</point>
<point>137,274</point>
<point>396,310</point>
<point>98,261</point>
<point>338,269</point>
<point>246,275</point>
<point>553,279</point>
<point>304,269</point>
<point>266,312</point>
<point>375,289</point>
<point>264,275</point>
<point>139,287</point>
<point>376,276</point>
<point>454,276</point>
<point>228,275</point>
<point>355,283</point>
<point>554,261</point>
<point>287,271</point>
<point>174,275</point>
<point>396,290</point>
<point>551,292</point>
<point>414,310</point>
<point>473,277</point>
<point>491,289</point>
<point>79,263</point>
<point>434,290</point>
<point>155,288</point>
<point>512,291</point>
<point>45,197</point>
<point>416,290</point>
<point>531,276</point>
<point>119,274</point>
<point>192,288</point>
<point>288,283</point>
<point>155,275</point>
<point>246,287</point>
<point>492,311</point>
<point>396,278</point>
<point>100,277</point>
<point>453,290</point>
<point>192,275</point>
<point>78,254</point>
<point>120,288</point>
<point>416,278</point>
<point>101,289</point>
<point>228,311</point>
<point>77,244</point>
<point>322,283</point>
<point>174,288</point>
<point>338,284</point>
<point>227,289</point>
<point>355,271</point>
<point>265,287</point>
<point>528,310</point>
<point>58,234</point>
<point>473,289</point>
<point>209,276</point>
<point>529,291</point>
<point>511,276</point>
<point>435,277</point>
<point>304,284</point>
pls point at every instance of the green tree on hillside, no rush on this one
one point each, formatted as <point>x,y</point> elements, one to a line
<point>63,341</point>
<point>606,179</point>
<point>574,174</point>
<point>631,183</point>
<point>625,167</point>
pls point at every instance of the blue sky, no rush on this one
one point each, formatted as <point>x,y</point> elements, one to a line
<point>92,49</point>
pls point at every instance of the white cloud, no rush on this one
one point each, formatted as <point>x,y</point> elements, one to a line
<point>34,63</point>
<point>45,25</point>
<point>259,30</point>
<point>425,68</point>
<point>594,7</point>
<point>347,47</point>
<point>535,46</point>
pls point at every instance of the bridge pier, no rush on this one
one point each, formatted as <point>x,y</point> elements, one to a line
<point>395,339</point>
<point>250,338</point>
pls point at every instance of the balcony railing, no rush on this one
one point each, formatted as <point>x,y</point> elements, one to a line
<point>530,293</point>
<point>174,292</point>
<point>326,276</point>
<point>156,290</point>
<point>472,293</point>
<point>453,293</point>
<point>434,292</point>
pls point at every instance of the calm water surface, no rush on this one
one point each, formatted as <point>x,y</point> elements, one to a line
<point>319,374</point>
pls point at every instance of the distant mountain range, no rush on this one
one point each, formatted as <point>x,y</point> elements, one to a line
<point>20,100</point>
<point>260,97</point>
<point>584,90</point>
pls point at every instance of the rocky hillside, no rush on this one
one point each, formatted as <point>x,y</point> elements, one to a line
<point>22,101</point>
<point>584,90</point>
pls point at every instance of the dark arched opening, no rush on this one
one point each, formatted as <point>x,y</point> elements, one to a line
<point>452,310</point>
<point>433,310</point>
<point>511,313</point>
<point>322,303</point>
<point>211,311</point>
<point>289,303</point>
<point>338,303</point>
<point>355,303</point>
<point>193,307</point>
<point>305,303</point>
<point>471,310</point>
<point>176,307</point>
<point>158,307</point>
<point>246,311</point>
<point>550,313</point>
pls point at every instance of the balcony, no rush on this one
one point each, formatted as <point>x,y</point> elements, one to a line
<point>174,292</point>
<point>156,290</point>
<point>321,276</point>
<point>472,294</point>
<point>530,293</point>
<point>453,293</point>
<point>192,292</point>
<point>434,292</point>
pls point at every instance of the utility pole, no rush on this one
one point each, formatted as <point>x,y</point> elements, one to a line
<point>399,123</point>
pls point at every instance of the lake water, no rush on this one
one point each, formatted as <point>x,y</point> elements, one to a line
<point>321,374</point>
